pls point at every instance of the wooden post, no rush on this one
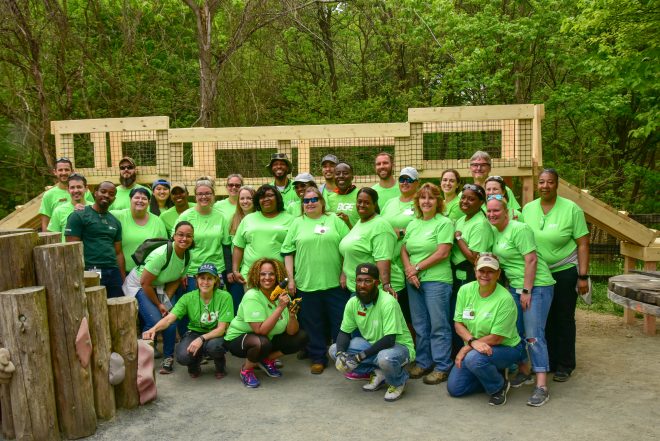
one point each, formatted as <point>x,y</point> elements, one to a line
<point>122,313</point>
<point>16,271</point>
<point>99,329</point>
<point>24,322</point>
<point>49,237</point>
<point>91,278</point>
<point>59,269</point>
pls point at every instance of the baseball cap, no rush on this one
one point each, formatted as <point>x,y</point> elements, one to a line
<point>128,159</point>
<point>163,182</point>
<point>410,172</point>
<point>279,157</point>
<point>487,260</point>
<point>304,177</point>
<point>331,158</point>
<point>208,268</point>
<point>367,268</point>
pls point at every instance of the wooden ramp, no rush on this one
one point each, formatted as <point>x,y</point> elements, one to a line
<point>25,216</point>
<point>607,218</point>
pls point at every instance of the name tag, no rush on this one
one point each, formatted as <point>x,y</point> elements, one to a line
<point>320,229</point>
<point>468,314</point>
<point>362,313</point>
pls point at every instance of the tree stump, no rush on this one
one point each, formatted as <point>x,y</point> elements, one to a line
<point>122,313</point>
<point>91,278</point>
<point>59,269</point>
<point>24,322</point>
<point>49,238</point>
<point>99,329</point>
<point>16,271</point>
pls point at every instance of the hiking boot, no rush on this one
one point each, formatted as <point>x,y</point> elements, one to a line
<point>539,397</point>
<point>317,368</point>
<point>268,366</point>
<point>278,363</point>
<point>167,366</point>
<point>435,377</point>
<point>394,392</point>
<point>376,381</point>
<point>249,379</point>
<point>194,371</point>
<point>521,379</point>
<point>416,371</point>
<point>356,377</point>
<point>561,376</point>
<point>499,397</point>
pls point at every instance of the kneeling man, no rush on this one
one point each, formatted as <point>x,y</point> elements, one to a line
<point>385,345</point>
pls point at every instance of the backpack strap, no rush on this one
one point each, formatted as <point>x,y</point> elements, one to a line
<point>170,250</point>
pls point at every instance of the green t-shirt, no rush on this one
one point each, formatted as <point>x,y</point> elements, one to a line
<point>513,203</point>
<point>510,246</point>
<point>369,242</point>
<point>315,242</point>
<point>205,317</point>
<point>59,217</point>
<point>452,209</point>
<point>422,239</point>
<point>170,216</point>
<point>174,270</point>
<point>375,321</point>
<point>398,214</point>
<point>123,198</point>
<point>226,208</point>
<point>261,236</point>
<point>495,314</point>
<point>477,234</point>
<point>210,235</point>
<point>385,194</point>
<point>344,203</point>
<point>133,234</point>
<point>288,193</point>
<point>54,197</point>
<point>556,232</point>
<point>255,308</point>
<point>98,233</point>
<point>294,208</point>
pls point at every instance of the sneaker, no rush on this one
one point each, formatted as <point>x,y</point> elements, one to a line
<point>356,377</point>
<point>521,379</point>
<point>539,397</point>
<point>194,371</point>
<point>249,379</point>
<point>278,363</point>
<point>268,366</point>
<point>317,368</point>
<point>394,392</point>
<point>376,381</point>
<point>561,376</point>
<point>499,397</point>
<point>167,366</point>
<point>435,377</point>
<point>416,371</point>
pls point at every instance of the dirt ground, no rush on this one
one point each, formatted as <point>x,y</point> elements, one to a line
<point>613,395</point>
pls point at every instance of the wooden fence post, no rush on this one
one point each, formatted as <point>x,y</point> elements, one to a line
<point>25,333</point>
<point>16,271</point>
<point>122,313</point>
<point>59,269</point>
<point>99,329</point>
<point>49,238</point>
<point>91,278</point>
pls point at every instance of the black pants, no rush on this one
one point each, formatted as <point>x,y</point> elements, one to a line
<point>257,347</point>
<point>560,327</point>
<point>213,348</point>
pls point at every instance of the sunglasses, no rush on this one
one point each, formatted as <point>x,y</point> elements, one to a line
<point>313,200</point>
<point>472,187</point>
<point>496,178</point>
<point>126,167</point>
<point>406,180</point>
<point>234,185</point>
<point>497,197</point>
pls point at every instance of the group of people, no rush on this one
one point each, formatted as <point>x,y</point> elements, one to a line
<point>403,280</point>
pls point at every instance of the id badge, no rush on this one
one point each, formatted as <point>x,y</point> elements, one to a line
<point>97,271</point>
<point>468,314</point>
<point>320,229</point>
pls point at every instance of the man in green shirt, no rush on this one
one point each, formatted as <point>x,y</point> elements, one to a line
<point>385,346</point>
<point>387,188</point>
<point>280,167</point>
<point>128,181</point>
<point>344,199</point>
<point>480,169</point>
<point>77,186</point>
<point>328,164</point>
<point>179,195</point>
<point>59,193</point>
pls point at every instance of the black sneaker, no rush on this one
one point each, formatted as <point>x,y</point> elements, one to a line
<point>561,376</point>
<point>194,371</point>
<point>499,397</point>
<point>167,367</point>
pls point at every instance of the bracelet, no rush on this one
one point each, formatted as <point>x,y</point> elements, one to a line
<point>469,342</point>
<point>459,238</point>
<point>583,276</point>
<point>203,339</point>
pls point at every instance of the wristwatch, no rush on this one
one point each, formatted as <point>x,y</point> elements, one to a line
<point>417,268</point>
<point>470,341</point>
<point>583,276</point>
<point>525,291</point>
<point>459,238</point>
<point>387,285</point>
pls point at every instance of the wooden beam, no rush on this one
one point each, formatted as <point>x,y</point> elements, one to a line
<point>24,216</point>
<point>537,150</point>
<point>471,113</point>
<point>647,254</point>
<point>110,125</point>
<point>275,133</point>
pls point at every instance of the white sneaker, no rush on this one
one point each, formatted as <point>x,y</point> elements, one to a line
<point>376,381</point>
<point>394,392</point>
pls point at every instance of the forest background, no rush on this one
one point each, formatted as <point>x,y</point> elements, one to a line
<point>220,63</point>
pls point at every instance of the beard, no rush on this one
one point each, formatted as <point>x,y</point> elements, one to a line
<point>127,182</point>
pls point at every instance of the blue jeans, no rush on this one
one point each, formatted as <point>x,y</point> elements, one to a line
<point>480,372</point>
<point>429,310</point>
<point>390,361</point>
<point>111,279</point>
<point>150,315</point>
<point>531,325</point>
<point>320,316</point>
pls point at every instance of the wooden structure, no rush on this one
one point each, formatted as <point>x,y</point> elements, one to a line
<point>122,312</point>
<point>637,293</point>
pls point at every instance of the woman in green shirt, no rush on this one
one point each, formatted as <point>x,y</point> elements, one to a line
<point>312,243</point>
<point>160,202</point>
<point>561,233</point>
<point>209,310</point>
<point>264,329</point>
<point>180,203</point>
<point>244,206</point>
<point>496,185</point>
<point>531,285</point>
<point>450,182</point>
<point>425,256</point>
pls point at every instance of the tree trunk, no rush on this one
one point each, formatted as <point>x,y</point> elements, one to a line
<point>49,238</point>
<point>122,315</point>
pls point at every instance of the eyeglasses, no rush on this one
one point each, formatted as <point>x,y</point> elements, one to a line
<point>266,274</point>
<point>126,167</point>
<point>406,180</point>
<point>183,236</point>
<point>233,185</point>
<point>313,200</point>
<point>472,187</point>
<point>479,164</point>
<point>497,197</point>
<point>204,195</point>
